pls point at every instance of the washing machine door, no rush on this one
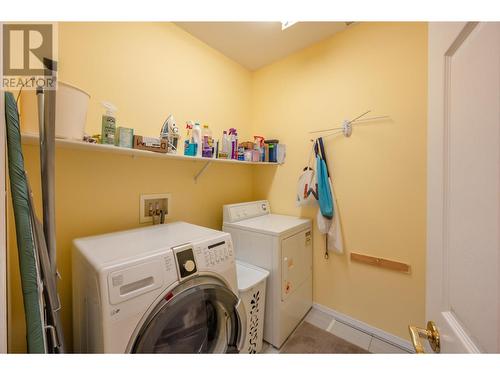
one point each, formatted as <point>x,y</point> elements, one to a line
<point>200,315</point>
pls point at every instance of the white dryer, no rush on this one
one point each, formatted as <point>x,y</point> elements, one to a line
<point>283,246</point>
<point>161,289</point>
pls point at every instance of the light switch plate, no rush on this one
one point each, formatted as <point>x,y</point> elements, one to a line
<point>163,201</point>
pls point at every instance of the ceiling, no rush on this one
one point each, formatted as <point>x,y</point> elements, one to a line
<point>256,44</point>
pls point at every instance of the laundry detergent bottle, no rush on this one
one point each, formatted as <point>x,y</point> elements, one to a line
<point>233,135</point>
<point>207,140</point>
<point>108,126</point>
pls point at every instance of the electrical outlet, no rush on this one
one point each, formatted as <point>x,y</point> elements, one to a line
<point>150,202</point>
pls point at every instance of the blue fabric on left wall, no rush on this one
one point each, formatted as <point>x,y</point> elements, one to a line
<point>30,278</point>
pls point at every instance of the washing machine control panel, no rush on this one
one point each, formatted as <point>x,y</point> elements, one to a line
<point>208,255</point>
<point>215,252</point>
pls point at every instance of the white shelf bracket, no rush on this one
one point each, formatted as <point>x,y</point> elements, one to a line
<point>203,169</point>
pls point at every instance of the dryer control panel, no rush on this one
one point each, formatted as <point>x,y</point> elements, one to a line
<point>242,211</point>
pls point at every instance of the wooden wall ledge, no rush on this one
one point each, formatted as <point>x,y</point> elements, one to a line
<point>381,262</point>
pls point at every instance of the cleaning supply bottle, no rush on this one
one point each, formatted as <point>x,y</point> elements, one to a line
<point>259,146</point>
<point>222,146</point>
<point>206,135</point>
<point>236,147</point>
<point>108,127</point>
<point>225,146</point>
<point>234,143</point>
<point>188,148</point>
<point>229,146</point>
<point>231,143</point>
<point>197,139</point>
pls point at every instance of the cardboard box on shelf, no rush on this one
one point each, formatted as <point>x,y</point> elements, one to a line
<point>150,144</point>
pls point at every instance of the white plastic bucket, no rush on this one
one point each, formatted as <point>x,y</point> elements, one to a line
<point>71,111</point>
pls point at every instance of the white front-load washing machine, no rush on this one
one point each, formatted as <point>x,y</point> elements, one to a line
<point>167,288</point>
<point>282,245</point>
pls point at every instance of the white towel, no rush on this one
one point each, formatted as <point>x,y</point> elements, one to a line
<point>335,241</point>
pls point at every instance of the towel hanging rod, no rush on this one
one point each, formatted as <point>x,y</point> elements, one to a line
<point>346,127</point>
<point>342,127</point>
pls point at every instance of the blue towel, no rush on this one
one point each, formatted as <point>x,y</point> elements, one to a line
<point>324,190</point>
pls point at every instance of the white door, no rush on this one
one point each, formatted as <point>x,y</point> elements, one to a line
<point>463,262</point>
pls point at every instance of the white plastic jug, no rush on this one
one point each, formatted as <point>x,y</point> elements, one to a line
<point>71,111</point>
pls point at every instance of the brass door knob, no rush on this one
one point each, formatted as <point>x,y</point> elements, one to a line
<point>431,334</point>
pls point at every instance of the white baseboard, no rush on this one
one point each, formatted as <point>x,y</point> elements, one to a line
<point>366,328</point>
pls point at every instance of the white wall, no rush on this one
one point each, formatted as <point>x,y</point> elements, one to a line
<point>3,247</point>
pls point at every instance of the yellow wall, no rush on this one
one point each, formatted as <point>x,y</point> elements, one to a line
<point>151,70</point>
<point>148,71</point>
<point>379,173</point>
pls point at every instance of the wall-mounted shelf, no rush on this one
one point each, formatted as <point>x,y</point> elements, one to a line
<point>32,139</point>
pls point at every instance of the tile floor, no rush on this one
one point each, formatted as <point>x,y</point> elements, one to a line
<point>346,332</point>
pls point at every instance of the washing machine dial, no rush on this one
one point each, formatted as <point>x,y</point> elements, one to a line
<point>186,263</point>
<point>189,266</point>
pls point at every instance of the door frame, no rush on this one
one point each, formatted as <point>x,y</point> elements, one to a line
<point>3,217</point>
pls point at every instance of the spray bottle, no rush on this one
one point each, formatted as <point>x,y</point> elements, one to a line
<point>108,126</point>
<point>187,141</point>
